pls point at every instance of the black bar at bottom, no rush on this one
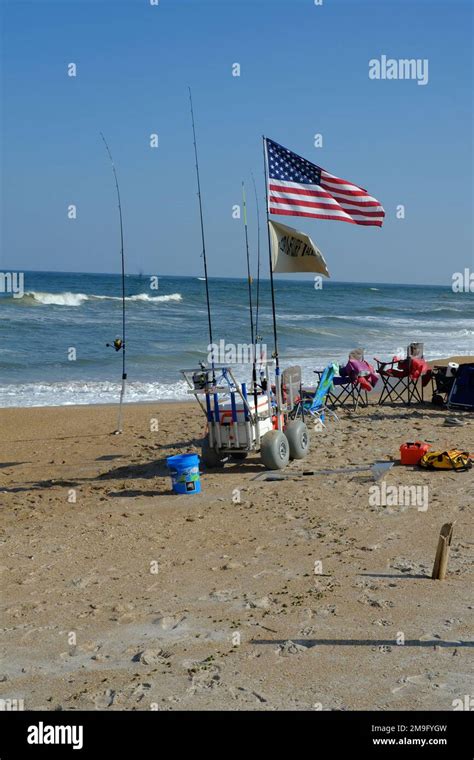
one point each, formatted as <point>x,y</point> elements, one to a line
<point>374,734</point>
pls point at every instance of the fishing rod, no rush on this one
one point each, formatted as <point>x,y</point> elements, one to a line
<point>249,280</point>
<point>272,288</point>
<point>257,305</point>
<point>209,320</point>
<point>119,343</point>
<point>249,276</point>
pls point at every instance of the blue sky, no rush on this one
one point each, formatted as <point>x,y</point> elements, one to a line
<point>304,70</point>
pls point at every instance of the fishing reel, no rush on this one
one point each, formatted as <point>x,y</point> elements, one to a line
<point>200,378</point>
<point>118,344</point>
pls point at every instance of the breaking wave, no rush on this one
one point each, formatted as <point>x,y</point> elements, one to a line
<point>92,392</point>
<point>77,299</point>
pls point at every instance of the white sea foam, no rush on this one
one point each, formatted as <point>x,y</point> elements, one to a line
<point>77,299</point>
<point>94,392</point>
<point>57,299</point>
<point>141,297</point>
<point>104,392</point>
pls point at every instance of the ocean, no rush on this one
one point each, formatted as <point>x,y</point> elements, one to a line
<point>53,339</point>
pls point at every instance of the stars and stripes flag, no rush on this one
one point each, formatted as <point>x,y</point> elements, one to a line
<point>297,187</point>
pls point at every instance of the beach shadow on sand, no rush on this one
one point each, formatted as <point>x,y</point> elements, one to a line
<point>407,412</point>
<point>4,465</point>
<point>146,471</point>
<point>190,442</point>
<point>233,468</point>
<point>396,576</point>
<point>58,438</point>
<point>310,643</point>
<point>131,494</point>
<point>41,485</point>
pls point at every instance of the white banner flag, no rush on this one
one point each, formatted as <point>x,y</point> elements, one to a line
<point>294,251</point>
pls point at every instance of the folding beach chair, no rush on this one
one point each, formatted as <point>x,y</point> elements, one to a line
<point>349,392</point>
<point>313,403</point>
<point>332,396</point>
<point>443,381</point>
<point>399,380</point>
<point>291,385</point>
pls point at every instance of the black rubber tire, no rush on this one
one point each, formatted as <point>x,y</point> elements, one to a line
<point>297,434</point>
<point>210,457</point>
<point>275,450</point>
<point>438,400</point>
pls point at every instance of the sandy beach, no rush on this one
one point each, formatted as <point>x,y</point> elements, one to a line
<point>301,594</point>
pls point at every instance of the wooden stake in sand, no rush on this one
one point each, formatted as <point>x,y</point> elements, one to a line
<point>442,552</point>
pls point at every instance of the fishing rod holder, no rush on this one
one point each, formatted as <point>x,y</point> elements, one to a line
<point>243,418</point>
<point>237,414</point>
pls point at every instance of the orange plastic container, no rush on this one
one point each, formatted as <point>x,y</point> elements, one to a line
<point>411,453</point>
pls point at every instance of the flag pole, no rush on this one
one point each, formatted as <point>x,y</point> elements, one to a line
<point>272,287</point>
<point>209,321</point>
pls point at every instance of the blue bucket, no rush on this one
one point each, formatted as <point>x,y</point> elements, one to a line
<point>184,471</point>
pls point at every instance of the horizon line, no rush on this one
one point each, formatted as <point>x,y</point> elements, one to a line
<point>227,277</point>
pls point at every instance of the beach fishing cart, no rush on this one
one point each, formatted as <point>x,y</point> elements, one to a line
<point>242,419</point>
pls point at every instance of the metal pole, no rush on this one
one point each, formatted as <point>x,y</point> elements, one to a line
<point>275,335</point>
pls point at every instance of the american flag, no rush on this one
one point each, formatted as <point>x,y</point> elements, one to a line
<point>296,187</point>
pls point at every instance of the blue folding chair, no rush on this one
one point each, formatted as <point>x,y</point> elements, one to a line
<point>314,404</point>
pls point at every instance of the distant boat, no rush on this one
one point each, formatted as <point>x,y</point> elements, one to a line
<point>203,279</point>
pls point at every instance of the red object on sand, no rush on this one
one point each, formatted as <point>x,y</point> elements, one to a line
<point>411,453</point>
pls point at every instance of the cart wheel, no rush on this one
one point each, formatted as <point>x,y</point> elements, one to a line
<point>298,439</point>
<point>275,450</point>
<point>210,456</point>
<point>240,455</point>
<point>437,400</point>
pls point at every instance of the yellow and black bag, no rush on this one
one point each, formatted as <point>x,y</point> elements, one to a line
<point>446,460</point>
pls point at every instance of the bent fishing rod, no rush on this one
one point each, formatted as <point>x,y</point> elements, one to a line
<point>249,276</point>
<point>119,343</point>
<point>203,239</point>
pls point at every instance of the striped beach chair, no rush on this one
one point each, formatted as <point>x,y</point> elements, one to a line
<point>314,403</point>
